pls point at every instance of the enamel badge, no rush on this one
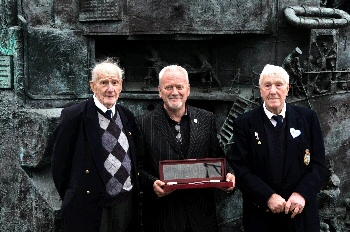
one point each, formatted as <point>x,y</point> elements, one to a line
<point>307,157</point>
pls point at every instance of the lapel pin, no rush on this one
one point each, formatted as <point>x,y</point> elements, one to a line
<point>259,142</point>
<point>295,133</point>
<point>256,136</point>
<point>195,120</point>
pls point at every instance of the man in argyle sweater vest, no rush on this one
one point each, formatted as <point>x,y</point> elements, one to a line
<point>94,159</point>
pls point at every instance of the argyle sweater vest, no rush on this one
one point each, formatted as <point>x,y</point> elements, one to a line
<point>118,173</point>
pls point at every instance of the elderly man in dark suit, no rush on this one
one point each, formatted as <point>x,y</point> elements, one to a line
<point>279,160</point>
<point>176,131</point>
<point>94,159</point>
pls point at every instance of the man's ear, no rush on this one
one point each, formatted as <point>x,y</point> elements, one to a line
<point>121,85</point>
<point>159,90</point>
<point>92,85</point>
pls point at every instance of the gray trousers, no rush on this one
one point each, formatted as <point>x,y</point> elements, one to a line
<point>118,218</point>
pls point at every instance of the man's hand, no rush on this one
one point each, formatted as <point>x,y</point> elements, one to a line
<point>158,188</point>
<point>295,204</point>
<point>231,178</point>
<point>276,203</point>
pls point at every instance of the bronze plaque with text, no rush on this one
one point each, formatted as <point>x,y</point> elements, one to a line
<point>5,72</point>
<point>94,10</point>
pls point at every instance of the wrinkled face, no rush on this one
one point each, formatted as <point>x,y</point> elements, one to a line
<point>107,87</point>
<point>174,89</point>
<point>274,91</point>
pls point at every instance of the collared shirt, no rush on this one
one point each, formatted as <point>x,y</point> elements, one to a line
<point>102,107</point>
<point>269,114</point>
<point>184,130</point>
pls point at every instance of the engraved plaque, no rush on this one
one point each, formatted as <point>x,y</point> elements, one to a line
<point>97,10</point>
<point>5,72</point>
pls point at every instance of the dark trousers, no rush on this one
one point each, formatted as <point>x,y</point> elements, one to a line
<point>270,222</point>
<point>118,218</point>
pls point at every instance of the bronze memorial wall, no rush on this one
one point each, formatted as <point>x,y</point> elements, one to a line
<point>47,49</point>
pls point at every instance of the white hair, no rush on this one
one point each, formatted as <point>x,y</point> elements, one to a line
<point>172,68</point>
<point>270,70</point>
<point>106,66</point>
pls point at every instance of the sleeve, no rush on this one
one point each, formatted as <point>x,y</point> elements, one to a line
<point>64,144</point>
<point>146,178</point>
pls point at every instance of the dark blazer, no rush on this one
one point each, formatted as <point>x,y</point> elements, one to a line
<point>170,213</point>
<point>252,167</point>
<point>78,167</point>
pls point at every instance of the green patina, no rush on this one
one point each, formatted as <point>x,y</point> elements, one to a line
<point>7,43</point>
<point>21,155</point>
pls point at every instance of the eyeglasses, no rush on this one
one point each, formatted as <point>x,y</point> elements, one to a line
<point>171,87</point>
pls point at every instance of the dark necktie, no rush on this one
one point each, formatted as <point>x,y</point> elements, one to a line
<point>279,120</point>
<point>109,113</point>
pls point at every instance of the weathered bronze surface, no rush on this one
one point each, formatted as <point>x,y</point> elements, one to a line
<point>47,48</point>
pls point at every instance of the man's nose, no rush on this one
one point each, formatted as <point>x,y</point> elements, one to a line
<point>110,87</point>
<point>273,89</point>
<point>175,91</point>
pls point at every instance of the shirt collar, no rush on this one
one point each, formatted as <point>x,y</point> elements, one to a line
<point>102,107</point>
<point>269,114</point>
<point>169,118</point>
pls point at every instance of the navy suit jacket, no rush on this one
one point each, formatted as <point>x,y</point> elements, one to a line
<point>78,166</point>
<point>252,166</point>
<point>171,212</point>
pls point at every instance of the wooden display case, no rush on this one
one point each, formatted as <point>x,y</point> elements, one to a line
<point>194,173</point>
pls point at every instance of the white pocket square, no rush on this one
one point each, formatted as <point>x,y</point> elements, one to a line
<point>295,133</point>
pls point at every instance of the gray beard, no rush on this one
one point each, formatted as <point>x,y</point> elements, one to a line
<point>175,107</point>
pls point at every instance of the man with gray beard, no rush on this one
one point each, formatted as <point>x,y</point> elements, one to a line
<point>177,131</point>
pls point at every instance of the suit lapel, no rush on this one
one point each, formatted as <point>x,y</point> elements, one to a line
<point>92,128</point>
<point>293,122</point>
<point>258,134</point>
<point>194,131</point>
<point>161,123</point>
<point>259,139</point>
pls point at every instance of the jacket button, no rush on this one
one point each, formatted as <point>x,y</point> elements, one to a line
<point>87,192</point>
<point>87,171</point>
<point>129,133</point>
